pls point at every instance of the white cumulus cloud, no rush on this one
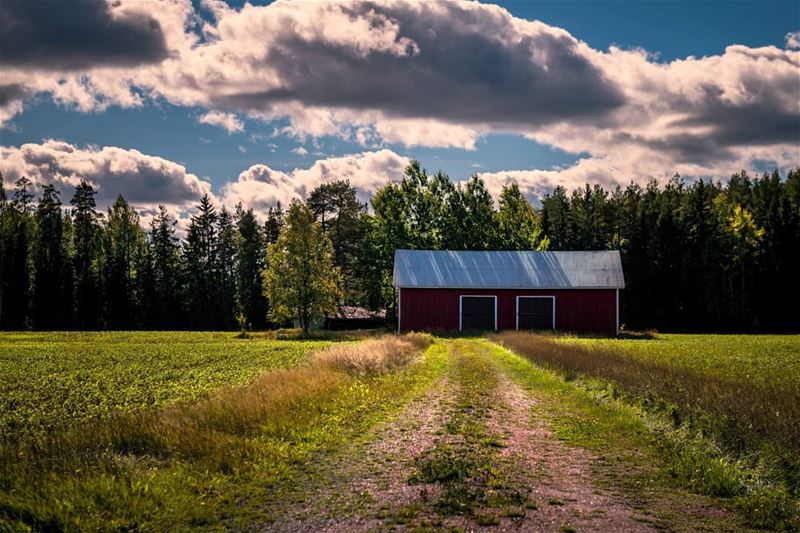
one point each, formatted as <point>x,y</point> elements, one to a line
<point>144,180</point>
<point>260,186</point>
<point>228,121</point>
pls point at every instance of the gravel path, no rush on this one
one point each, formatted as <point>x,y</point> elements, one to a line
<point>559,478</point>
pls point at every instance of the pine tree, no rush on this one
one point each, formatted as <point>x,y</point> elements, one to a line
<point>250,262</point>
<point>5,237</point>
<point>17,233</point>
<point>695,256</point>
<point>337,209</point>
<point>771,288</point>
<point>272,227</point>
<point>87,261</point>
<point>588,218</point>
<point>701,291</point>
<point>786,313</point>
<point>225,256</point>
<point>48,261</point>
<point>628,238</point>
<point>163,300</point>
<point>124,250</point>
<point>669,243</point>
<point>200,267</point>
<point>66,315</point>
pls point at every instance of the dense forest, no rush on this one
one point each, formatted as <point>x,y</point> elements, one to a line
<point>704,255</point>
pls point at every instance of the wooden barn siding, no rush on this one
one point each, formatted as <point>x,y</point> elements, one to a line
<point>579,310</point>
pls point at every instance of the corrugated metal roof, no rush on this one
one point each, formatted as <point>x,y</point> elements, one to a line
<point>508,270</point>
<point>359,313</point>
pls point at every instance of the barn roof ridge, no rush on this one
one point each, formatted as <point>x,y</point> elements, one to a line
<point>508,269</point>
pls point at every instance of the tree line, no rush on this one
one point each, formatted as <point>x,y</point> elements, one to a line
<point>78,268</point>
<point>704,255</point>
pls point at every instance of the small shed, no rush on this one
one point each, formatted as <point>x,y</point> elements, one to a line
<point>500,290</point>
<point>354,317</point>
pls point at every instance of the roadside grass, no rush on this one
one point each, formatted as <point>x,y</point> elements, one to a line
<point>54,379</point>
<point>732,438</point>
<point>208,463</point>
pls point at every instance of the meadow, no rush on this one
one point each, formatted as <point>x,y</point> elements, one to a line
<point>50,379</point>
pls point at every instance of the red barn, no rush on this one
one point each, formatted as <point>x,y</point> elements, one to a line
<point>456,291</point>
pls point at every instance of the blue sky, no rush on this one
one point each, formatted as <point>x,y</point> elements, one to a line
<point>165,126</point>
<point>672,29</point>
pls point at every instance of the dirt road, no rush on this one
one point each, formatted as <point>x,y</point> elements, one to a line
<point>475,452</point>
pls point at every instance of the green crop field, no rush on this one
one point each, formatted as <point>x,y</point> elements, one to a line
<point>57,378</point>
<point>766,359</point>
<point>201,458</point>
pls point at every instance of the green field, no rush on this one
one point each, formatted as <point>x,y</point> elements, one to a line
<point>767,359</point>
<point>58,378</point>
<point>234,416</point>
<point>182,430</point>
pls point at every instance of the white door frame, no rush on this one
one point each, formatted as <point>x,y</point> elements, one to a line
<point>541,297</point>
<point>460,302</point>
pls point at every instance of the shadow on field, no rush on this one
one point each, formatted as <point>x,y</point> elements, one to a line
<point>296,334</point>
<point>638,335</point>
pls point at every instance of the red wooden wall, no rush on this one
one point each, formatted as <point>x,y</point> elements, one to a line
<point>578,310</point>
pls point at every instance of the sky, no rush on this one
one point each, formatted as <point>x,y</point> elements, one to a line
<point>165,100</point>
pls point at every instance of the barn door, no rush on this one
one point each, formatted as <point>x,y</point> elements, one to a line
<point>536,312</point>
<point>478,312</point>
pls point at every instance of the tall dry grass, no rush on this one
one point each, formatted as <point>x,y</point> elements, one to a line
<point>375,356</point>
<point>216,429</point>
<point>741,416</point>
